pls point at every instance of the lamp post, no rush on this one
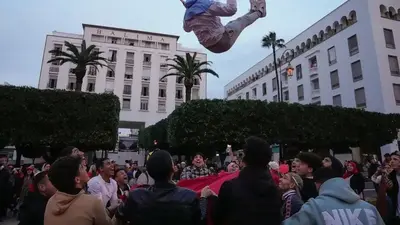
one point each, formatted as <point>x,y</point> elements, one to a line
<point>289,73</point>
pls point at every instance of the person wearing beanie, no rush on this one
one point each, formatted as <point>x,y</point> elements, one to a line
<point>274,170</point>
<point>163,202</point>
<point>252,197</point>
<point>334,164</point>
<point>336,204</point>
<point>291,185</point>
<point>308,163</point>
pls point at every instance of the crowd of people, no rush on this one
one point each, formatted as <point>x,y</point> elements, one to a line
<point>308,190</point>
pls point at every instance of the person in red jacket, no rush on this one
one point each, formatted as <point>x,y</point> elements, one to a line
<point>274,169</point>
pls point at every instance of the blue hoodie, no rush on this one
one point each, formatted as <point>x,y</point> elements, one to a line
<point>337,204</point>
<point>196,7</point>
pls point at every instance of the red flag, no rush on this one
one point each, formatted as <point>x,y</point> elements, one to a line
<point>214,182</point>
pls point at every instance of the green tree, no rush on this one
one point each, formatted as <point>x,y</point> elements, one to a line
<point>270,41</point>
<point>188,69</point>
<point>82,58</point>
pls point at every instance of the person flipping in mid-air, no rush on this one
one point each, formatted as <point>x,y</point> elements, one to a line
<point>203,18</point>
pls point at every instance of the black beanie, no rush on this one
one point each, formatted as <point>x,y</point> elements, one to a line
<point>311,159</point>
<point>159,166</point>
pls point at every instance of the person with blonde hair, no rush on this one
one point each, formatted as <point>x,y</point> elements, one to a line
<point>291,185</point>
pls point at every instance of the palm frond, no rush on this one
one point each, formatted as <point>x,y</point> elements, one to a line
<point>171,74</point>
<point>206,70</point>
<point>72,48</point>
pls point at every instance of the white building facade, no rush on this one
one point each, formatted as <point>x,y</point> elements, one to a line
<point>349,58</point>
<point>138,60</point>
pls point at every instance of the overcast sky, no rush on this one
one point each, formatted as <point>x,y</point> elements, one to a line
<point>24,25</point>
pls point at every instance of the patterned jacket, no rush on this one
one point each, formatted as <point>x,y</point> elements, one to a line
<point>192,172</point>
<point>292,203</point>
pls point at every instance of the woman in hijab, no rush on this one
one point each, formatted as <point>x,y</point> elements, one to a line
<point>355,178</point>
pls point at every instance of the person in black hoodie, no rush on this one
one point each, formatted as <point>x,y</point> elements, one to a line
<point>308,163</point>
<point>34,205</point>
<point>252,198</point>
<point>333,163</point>
<point>163,202</point>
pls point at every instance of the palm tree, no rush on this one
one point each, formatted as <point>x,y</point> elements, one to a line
<point>82,58</point>
<point>269,41</point>
<point>187,69</point>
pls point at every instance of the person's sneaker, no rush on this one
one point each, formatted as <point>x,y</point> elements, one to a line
<point>258,5</point>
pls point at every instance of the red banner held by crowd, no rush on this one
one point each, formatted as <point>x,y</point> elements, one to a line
<point>214,182</point>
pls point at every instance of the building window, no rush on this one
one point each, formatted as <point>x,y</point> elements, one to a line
<point>264,89</point>
<point>389,38</point>
<point>179,80</point>
<point>394,65</point>
<point>111,71</point>
<point>337,100</point>
<point>52,83</point>
<point>113,56</point>
<point>247,96</point>
<point>275,98</point>
<point>91,86</point>
<point>92,71</point>
<point>356,71</point>
<point>286,95</point>
<point>299,72</point>
<point>144,105</point>
<point>145,91</point>
<point>147,59</point>
<point>313,63</point>
<point>128,72</point>
<point>360,97</point>
<point>162,93</point>
<point>274,84</point>
<point>164,46</point>
<point>396,92</point>
<point>300,92</point>
<point>161,107</point>
<point>179,94</point>
<point>353,45</point>
<point>127,89</point>
<point>71,85</point>
<point>315,84</point>
<point>130,58</point>
<point>335,79</point>
<point>57,47</point>
<point>109,86</point>
<point>196,81</point>
<point>254,92</point>
<point>126,103</point>
<point>332,55</point>
<point>239,97</point>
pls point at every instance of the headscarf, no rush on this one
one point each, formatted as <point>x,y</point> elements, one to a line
<point>348,173</point>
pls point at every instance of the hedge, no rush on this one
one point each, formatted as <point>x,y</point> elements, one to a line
<point>156,132</point>
<point>211,124</point>
<point>32,118</point>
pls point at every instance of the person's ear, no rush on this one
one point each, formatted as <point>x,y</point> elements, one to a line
<point>77,180</point>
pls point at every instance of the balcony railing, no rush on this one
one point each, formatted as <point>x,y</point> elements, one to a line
<point>54,69</point>
<point>313,69</point>
<point>146,63</point>
<point>128,76</point>
<point>130,61</point>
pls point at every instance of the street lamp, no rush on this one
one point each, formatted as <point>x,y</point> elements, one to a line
<point>289,73</point>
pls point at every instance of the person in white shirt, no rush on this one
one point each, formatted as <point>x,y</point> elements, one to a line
<point>103,186</point>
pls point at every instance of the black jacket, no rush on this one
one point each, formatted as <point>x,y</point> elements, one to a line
<point>309,189</point>
<point>32,209</point>
<point>162,203</point>
<point>250,199</point>
<point>393,192</point>
<point>357,183</point>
